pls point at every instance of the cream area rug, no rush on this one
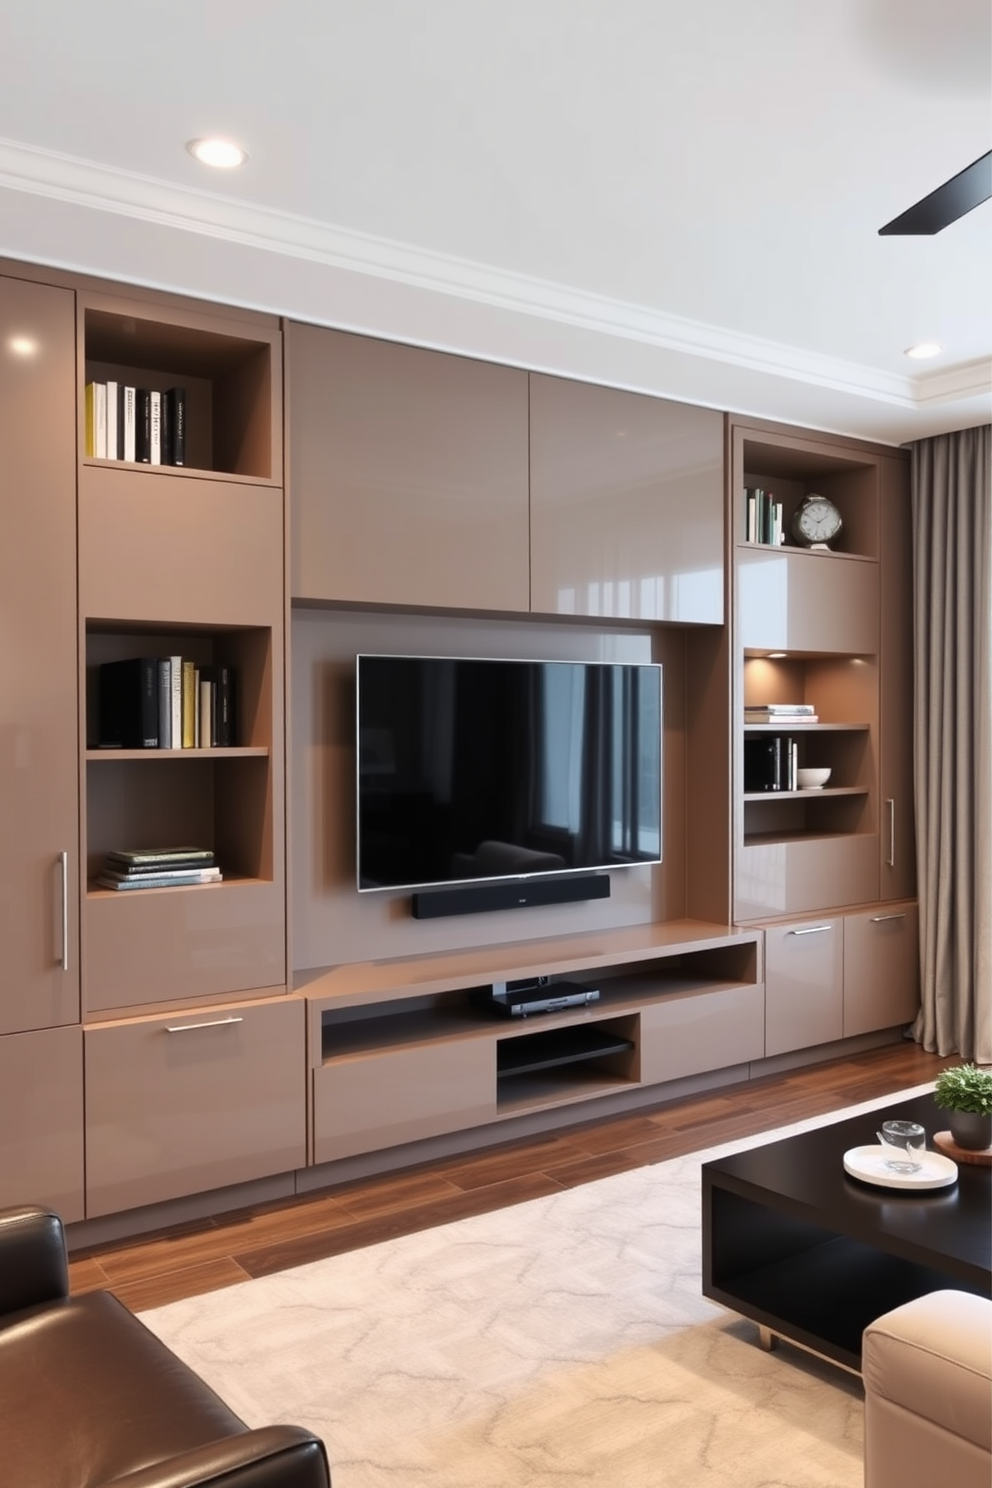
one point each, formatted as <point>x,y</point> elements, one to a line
<point>560,1343</point>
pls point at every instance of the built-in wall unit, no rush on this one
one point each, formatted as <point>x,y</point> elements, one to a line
<point>268,928</point>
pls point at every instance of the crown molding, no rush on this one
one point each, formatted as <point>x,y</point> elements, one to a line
<point>102,188</point>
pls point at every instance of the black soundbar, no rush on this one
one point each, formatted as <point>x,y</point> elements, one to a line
<point>431,904</point>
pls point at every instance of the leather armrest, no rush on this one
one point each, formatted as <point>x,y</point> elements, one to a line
<point>33,1265</point>
<point>271,1457</point>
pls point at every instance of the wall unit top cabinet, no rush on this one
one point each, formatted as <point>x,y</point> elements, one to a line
<point>408,474</point>
<point>39,978</point>
<point>626,505</point>
<point>808,632</point>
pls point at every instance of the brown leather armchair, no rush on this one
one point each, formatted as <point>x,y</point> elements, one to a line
<point>89,1397</point>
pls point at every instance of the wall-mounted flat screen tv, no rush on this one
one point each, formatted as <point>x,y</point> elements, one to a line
<point>472,769</point>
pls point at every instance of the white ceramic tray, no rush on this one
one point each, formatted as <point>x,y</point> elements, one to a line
<point>868,1164</point>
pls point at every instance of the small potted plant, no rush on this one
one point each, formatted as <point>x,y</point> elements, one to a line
<point>965,1092</point>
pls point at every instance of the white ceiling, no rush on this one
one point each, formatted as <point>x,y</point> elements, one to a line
<point>679,196</point>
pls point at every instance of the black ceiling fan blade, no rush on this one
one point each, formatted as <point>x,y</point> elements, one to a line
<point>969,188</point>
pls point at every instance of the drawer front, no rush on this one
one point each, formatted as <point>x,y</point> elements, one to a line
<point>786,878</point>
<point>881,968</point>
<point>804,970</point>
<point>186,1103</point>
<point>691,1032</point>
<point>365,1102</point>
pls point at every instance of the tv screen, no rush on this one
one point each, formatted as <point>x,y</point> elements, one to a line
<point>476,769</point>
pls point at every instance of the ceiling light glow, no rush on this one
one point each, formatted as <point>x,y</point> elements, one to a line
<point>221,153</point>
<point>924,349</point>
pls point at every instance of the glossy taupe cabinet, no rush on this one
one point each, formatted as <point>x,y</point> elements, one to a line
<point>881,968</point>
<point>626,505</point>
<point>193,1101</point>
<point>39,885</point>
<point>41,1119</point>
<point>804,984</point>
<point>408,474</point>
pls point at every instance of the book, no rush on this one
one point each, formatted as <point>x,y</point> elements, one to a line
<point>127,433</point>
<point>164,702</point>
<point>147,857</point>
<point>189,705</point>
<point>111,420</point>
<point>161,880</point>
<point>154,428</point>
<point>174,411</point>
<point>100,420</point>
<point>128,703</point>
<point>221,677</point>
<point>770,721</point>
<point>89,423</point>
<point>176,730</point>
<point>205,721</point>
<point>142,426</point>
<point>775,710</point>
<point>165,427</point>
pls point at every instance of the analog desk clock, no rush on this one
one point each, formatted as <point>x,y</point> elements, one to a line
<point>815,522</point>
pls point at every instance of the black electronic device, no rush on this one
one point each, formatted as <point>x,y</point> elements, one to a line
<point>521,999</point>
<point>516,893</point>
<point>507,773</point>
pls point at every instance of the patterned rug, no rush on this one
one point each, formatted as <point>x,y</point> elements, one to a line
<point>562,1341</point>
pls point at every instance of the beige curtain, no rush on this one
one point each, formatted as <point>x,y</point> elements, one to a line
<point>952,559</point>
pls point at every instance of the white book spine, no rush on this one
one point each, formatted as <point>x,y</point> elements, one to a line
<point>111,421</point>
<point>100,419</point>
<point>155,427</point>
<point>129,412</point>
<point>176,665</point>
<point>752,517</point>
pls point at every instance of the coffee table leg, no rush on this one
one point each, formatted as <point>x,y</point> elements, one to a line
<point>767,1338</point>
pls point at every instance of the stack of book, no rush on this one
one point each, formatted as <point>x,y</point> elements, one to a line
<point>762,517</point>
<point>779,713</point>
<point>166,702</point>
<point>131,423</point>
<point>159,868</point>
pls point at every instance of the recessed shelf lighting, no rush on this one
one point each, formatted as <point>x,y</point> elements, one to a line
<point>924,349</point>
<point>24,346</point>
<point>221,153</point>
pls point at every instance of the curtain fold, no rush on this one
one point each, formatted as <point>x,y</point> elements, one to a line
<point>952,560</point>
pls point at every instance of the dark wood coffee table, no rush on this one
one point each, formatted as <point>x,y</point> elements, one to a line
<point>812,1255</point>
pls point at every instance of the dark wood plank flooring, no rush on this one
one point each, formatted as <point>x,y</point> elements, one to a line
<point>190,1259</point>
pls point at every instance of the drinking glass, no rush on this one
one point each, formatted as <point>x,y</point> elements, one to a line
<point>905,1143</point>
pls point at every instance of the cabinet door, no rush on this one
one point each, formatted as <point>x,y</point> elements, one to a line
<point>408,473</point>
<point>364,1102</point>
<point>804,990</point>
<point>626,505</point>
<point>39,843</point>
<point>191,1102</point>
<point>881,968</point>
<point>818,602</point>
<point>41,1120</point>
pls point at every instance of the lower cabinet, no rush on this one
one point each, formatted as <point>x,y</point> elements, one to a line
<point>839,976</point>
<point>41,1120</point>
<point>180,1104</point>
<point>881,968</point>
<point>804,984</point>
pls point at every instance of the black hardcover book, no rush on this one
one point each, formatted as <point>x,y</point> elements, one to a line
<point>165,430</point>
<point>129,703</point>
<point>142,426</point>
<point>144,859</point>
<point>225,734</point>
<point>759,764</point>
<point>174,415</point>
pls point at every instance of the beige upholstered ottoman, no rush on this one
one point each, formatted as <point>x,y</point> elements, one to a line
<point>927,1369</point>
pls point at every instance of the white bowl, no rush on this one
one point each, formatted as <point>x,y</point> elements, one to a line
<point>812,779</point>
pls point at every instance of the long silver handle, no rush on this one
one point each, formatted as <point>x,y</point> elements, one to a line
<point>813,930</point>
<point>891,859</point>
<point>877,919</point>
<point>64,861</point>
<point>190,1027</point>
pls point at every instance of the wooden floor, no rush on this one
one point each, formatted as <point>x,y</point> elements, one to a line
<point>191,1259</point>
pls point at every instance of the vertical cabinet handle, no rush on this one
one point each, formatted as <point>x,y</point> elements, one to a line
<point>891,859</point>
<point>64,865</point>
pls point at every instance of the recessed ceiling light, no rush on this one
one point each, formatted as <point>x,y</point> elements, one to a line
<point>221,153</point>
<point>923,350</point>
